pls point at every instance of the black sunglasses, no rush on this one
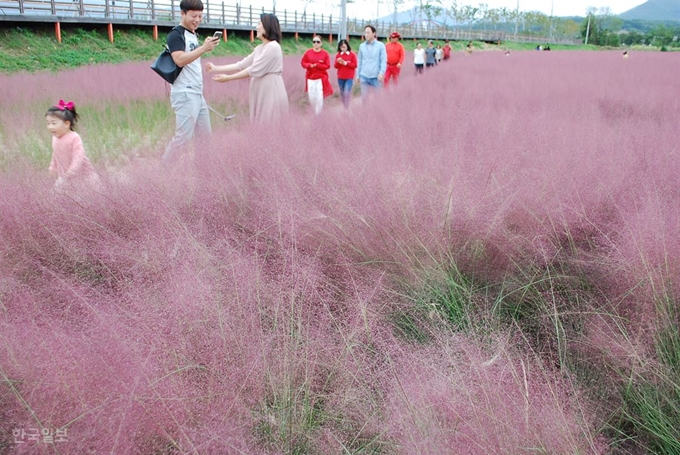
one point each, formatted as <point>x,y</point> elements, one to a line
<point>316,41</point>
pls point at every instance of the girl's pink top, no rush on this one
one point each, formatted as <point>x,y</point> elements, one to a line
<point>68,157</point>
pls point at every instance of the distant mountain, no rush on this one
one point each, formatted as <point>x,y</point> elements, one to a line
<point>654,10</point>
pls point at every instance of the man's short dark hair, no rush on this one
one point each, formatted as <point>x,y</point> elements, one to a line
<point>190,5</point>
<point>371,27</point>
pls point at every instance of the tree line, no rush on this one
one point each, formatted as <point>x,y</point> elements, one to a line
<point>600,25</point>
<point>602,28</point>
<point>451,14</point>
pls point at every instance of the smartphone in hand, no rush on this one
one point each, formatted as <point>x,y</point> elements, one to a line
<point>217,35</point>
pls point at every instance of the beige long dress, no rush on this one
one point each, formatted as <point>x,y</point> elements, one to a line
<point>268,97</point>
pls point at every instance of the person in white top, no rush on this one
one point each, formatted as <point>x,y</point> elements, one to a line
<point>419,58</point>
<point>186,95</point>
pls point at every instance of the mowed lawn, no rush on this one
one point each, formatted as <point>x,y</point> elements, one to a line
<point>480,260</point>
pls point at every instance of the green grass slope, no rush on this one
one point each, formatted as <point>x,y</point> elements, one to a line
<point>36,49</point>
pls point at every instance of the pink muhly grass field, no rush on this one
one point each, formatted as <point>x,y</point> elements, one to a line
<point>247,304</point>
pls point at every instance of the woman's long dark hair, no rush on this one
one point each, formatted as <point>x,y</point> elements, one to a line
<point>272,29</point>
<point>344,41</point>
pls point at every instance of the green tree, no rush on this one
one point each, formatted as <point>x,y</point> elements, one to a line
<point>460,15</point>
<point>493,15</point>
<point>450,12</point>
<point>537,22</point>
<point>395,10</point>
<point>600,27</point>
<point>470,13</point>
<point>515,16</point>
<point>432,10</point>
<point>566,28</point>
<point>631,38</point>
<point>660,35</point>
<point>504,15</point>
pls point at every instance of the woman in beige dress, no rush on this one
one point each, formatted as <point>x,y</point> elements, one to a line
<point>268,97</point>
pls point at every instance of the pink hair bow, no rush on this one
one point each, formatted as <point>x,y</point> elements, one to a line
<point>65,106</point>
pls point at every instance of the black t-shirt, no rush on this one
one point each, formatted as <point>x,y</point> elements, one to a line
<point>191,77</point>
<point>176,41</point>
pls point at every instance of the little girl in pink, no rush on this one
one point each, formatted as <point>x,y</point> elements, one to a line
<point>69,162</point>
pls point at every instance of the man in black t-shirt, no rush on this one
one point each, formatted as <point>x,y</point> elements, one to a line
<point>186,95</point>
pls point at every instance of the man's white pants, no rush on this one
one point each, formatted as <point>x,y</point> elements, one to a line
<point>315,93</point>
<point>191,114</point>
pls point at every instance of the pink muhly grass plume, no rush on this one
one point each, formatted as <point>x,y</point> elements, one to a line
<point>246,300</point>
<point>462,398</point>
<point>87,85</point>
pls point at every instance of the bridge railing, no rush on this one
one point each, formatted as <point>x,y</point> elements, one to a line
<point>218,15</point>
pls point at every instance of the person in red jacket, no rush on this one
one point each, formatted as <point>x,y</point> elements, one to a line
<point>395,58</point>
<point>317,62</point>
<point>447,50</point>
<point>346,64</point>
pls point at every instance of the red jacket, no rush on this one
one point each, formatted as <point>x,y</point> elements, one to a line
<point>346,71</point>
<point>447,50</point>
<point>322,62</point>
<point>395,53</point>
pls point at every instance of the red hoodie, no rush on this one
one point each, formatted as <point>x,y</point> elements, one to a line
<point>322,62</point>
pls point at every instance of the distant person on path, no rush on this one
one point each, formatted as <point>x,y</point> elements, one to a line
<point>317,85</point>
<point>69,163</point>
<point>419,58</point>
<point>430,55</point>
<point>346,64</point>
<point>372,63</point>
<point>446,50</point>
<point>625,54</point>
<point>395,58</point>
<point>439,54</point>
<point>186,95</point>
<point>468,48</point>
<point>267,93</point>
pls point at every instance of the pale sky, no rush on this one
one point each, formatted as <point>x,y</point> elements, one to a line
<point>367,9</point>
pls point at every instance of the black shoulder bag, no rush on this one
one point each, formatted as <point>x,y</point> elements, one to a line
<point>165,66</point>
